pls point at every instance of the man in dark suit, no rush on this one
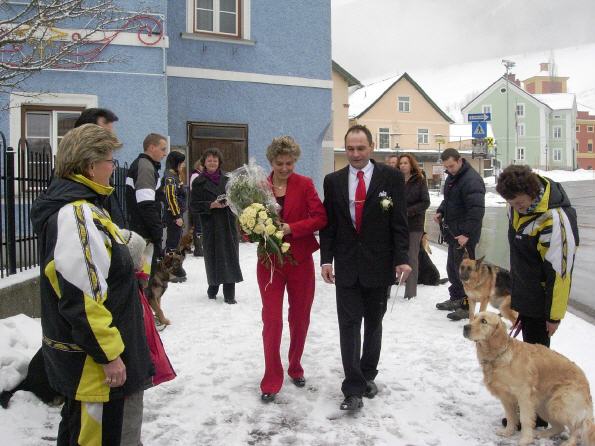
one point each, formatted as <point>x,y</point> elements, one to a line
<point>367,238</point>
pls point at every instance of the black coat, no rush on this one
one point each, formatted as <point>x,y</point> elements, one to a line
<point>418,201</point>
<point>382,244</point>
<point>220,236</point>
<point>463,206</point>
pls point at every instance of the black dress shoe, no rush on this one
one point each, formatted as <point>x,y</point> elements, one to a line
<point>371,389</point>
<point>352,403</point>
<point>299,382</point>
<point>230,300</point>
<point>268,397</point>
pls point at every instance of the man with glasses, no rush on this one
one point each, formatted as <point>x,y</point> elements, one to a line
<point>460,216</point>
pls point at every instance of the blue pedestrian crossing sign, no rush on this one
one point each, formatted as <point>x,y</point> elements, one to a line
<point>479,129</point>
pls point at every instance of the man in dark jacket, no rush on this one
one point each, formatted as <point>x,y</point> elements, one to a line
<point>142,182</point>
<point>460,216</point>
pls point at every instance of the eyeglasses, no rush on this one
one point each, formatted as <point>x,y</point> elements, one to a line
<point>113,161</point>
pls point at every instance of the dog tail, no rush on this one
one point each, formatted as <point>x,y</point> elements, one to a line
<point>589,432</point>
<point>5,397</point>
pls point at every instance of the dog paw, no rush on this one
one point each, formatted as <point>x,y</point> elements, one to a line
<point>525,441</point>
<point>505,432</point>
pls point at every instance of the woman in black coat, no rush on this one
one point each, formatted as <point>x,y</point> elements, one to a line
<point>418,201</point>
<point>220,237</point>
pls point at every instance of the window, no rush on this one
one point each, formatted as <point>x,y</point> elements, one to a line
<point>590,128</point>
<point>557,132</point>
<point>520,110</point>
<point>404,104</point>
<point>589,147</point>
<point>520,154</point>
<point>486,109</point>
<point>578,128</point>
<point>384,138</point>
<point>557,154</point>
<point>557,116</point>
<point>44,128</point>
<point>422,136</point>
<point>520,130</point>
<point>217,17</point>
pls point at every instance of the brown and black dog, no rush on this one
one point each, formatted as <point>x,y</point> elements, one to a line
<point>159,282</point>
<point>186,242</point>
<point>486,283</point>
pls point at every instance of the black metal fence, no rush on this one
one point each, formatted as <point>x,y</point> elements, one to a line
<point>24,174</point>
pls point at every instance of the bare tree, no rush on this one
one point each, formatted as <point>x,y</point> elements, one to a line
<point>32,36</point>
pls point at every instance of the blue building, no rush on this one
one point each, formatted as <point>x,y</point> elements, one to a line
<point>231,74</point>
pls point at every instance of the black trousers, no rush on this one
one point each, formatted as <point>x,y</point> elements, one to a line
<point>534,330</point>
<point>360,364</point>
<point>455,257</point>
<point>174,234</point>
<point>229,290</point>
<point>95,423</point>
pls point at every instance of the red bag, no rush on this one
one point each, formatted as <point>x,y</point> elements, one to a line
<point>163,368</point>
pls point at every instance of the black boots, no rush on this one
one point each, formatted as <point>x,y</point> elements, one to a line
<point>198,246</point>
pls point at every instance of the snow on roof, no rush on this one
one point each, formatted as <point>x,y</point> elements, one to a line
<point>557,101</point>
<point>362,98</point>
<point>458,132</point>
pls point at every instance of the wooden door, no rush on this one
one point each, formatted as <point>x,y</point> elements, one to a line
<point>230,139</point>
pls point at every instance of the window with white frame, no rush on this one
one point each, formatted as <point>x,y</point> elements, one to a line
<point>520,130</point>
<point>590,128</point>
<point>423,136</point>
<point>384,138</point>
<point>520,154</point>
<point>486,108</point>
<point>557,154</point>
<point>404,105</point>
<point>578,128</point>
<point>217,17</point>
<point>590,146</point>
<point>557,132</point>
<point>520,110</point>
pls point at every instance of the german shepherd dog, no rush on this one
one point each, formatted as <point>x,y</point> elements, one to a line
<point>159,282</point>
<point>483,283</point>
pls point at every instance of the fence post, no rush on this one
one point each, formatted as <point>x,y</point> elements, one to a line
<point>11,245</point>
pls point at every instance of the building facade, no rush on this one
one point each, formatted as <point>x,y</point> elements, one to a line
<point>585,138</point>
<point>215,74</point>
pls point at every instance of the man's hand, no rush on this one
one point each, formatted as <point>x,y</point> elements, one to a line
<point>179,222</point>
<point>551,327</point>
<point>462,240</point>
<point>403,269</point>
<point>327,274</point>
<point>115,373</point>
<point>437,218</point>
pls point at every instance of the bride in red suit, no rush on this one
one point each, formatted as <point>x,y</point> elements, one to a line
<point>302,214</point>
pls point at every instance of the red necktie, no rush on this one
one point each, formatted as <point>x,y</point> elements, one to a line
<point>360,199</point>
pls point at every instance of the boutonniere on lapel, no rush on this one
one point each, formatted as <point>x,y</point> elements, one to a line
<point>386,202</point>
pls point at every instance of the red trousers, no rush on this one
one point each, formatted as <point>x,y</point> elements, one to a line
<point>299,280</point>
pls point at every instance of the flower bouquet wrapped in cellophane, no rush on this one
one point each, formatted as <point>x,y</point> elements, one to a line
<point>251,198</point>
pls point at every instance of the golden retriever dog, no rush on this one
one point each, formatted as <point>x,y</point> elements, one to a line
<point>533,379</point>
<point>483,283</point>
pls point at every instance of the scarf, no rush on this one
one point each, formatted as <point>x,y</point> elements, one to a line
<point>215,177</point>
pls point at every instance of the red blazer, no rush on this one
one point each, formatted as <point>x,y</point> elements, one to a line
<point>304,213</point>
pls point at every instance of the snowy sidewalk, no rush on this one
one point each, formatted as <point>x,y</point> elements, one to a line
<point>430,383</point>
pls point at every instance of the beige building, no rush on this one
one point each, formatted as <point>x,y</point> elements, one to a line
<point>401,117</point>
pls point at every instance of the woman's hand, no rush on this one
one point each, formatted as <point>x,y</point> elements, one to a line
<point>285,228</point>
<point>217,205</point>
<point>115,372</point>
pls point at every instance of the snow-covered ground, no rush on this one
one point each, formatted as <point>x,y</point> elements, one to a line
<point>431,390</point>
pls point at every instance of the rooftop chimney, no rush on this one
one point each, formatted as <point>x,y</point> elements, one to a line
<point>544,66</point>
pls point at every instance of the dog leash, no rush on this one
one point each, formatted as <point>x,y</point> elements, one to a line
<point>516,328</point>
<point>394,296</point>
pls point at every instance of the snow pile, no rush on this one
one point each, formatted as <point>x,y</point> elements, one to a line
<point>430,383</point>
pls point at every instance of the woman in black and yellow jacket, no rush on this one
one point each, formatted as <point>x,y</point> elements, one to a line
<point>94,343</point>
<point>543,237</point>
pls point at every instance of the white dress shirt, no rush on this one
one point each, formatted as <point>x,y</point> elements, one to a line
<point>368,170</point>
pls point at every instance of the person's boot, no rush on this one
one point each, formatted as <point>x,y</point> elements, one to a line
<point>198,246</point>
<point>458,314</point>
<point>450,304</point>
<point>179,275</point>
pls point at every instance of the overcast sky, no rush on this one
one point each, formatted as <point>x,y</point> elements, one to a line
<point>375,38</point>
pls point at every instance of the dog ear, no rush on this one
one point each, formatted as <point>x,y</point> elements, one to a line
<point>478,262</point>
<point>465,255</point>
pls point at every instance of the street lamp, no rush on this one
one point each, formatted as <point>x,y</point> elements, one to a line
<point>439,138</point>
<point>508,64</point>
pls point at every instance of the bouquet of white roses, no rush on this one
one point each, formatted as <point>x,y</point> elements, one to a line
<point>251,198</point>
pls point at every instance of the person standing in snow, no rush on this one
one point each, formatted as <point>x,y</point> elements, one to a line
<point>460,217</point>
<point>367,239</point>
<point>194,217</point>
<point>94,342</point>
<point>302,214</point>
